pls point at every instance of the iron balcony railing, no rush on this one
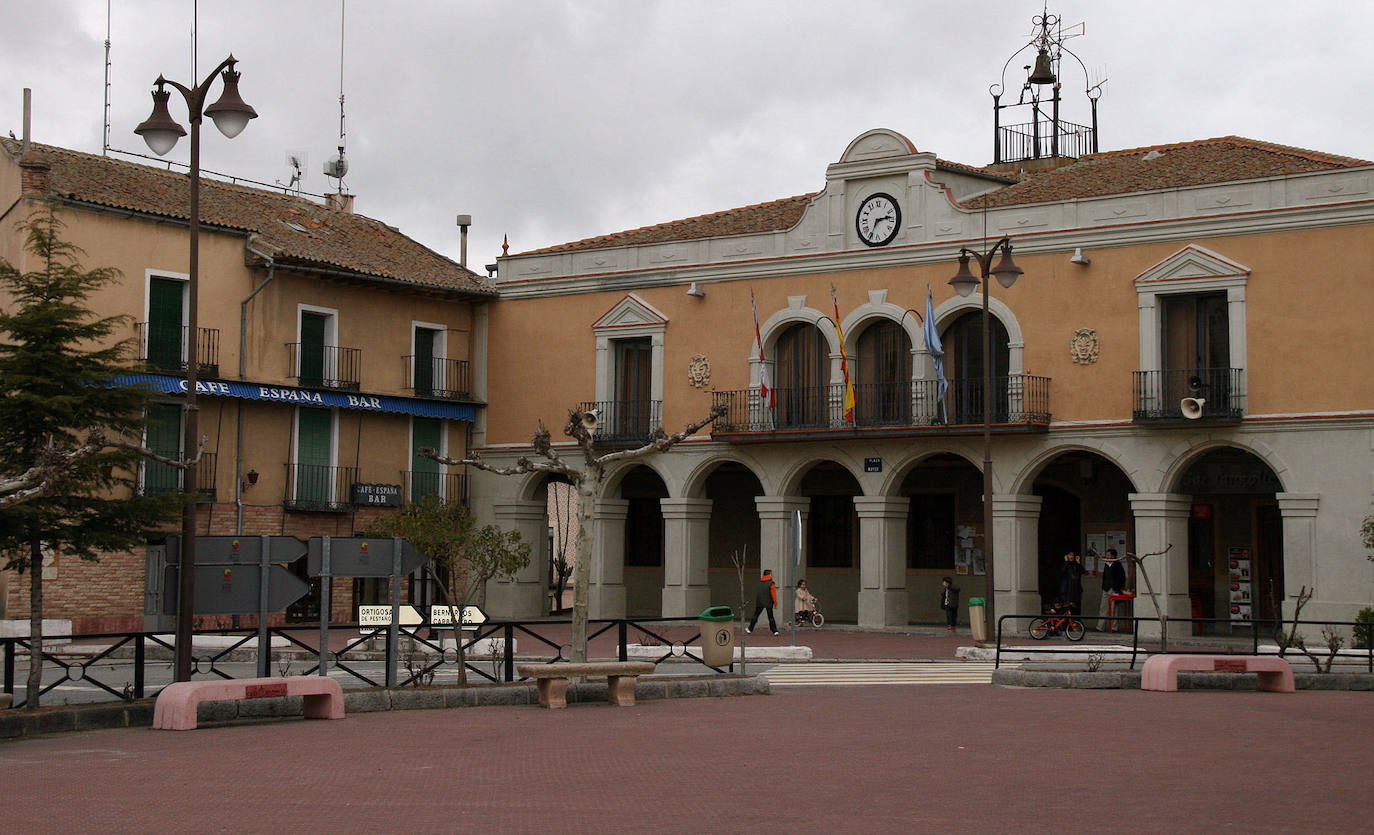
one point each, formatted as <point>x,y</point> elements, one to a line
<point>451,487</point>
<point>163,348</point>
<point>1159,395</point>
<point>159,478</point>
<point>1018,400</point>
<point>438,377</point>
<point>325,366</point>
<point>1039,139</point>
<point>625,421</point>
<point>319,487</point>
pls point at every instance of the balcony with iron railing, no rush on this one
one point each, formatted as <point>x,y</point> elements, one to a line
<point>327,366</point>
<point>451,487</point>
<point>625,422</point>
<point>1021,403</point>
<point>1040,140</point>
<point>163,348</point>
<point>1217,395</point>
<point>158,478</point>
<point>437,377</point>
<point>319,487</point>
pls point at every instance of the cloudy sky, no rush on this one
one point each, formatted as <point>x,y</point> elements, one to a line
<point>553,121</point>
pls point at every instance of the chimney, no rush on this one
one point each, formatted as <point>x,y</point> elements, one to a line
<point>33,173</point>
<point>464,221</point>
<point>340,202</point>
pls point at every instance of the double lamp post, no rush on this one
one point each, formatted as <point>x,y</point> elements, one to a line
<point>231,115</point>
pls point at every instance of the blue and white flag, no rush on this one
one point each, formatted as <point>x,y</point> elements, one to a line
<point>937,351</point>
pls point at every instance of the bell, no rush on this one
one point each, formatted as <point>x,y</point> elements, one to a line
<point>1044,70</point>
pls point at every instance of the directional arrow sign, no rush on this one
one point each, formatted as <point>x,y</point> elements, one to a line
<point>473,616</point>
<point>358,556</point>
<point>233,589</point>
<point>381,616</point>
<point>240,550</point>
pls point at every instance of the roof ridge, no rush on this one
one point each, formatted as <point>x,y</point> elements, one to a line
<point>1233,139</point>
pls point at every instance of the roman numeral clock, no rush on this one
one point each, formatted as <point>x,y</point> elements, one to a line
<point>878,220</point>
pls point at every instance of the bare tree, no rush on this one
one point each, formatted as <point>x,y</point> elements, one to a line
<point>1139,563</point>
<point>54,464</point>
<point>739,558</point>
<point>587,480</point>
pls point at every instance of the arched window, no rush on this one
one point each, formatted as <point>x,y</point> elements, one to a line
<point>883,389</point>
<point>963,343</point>
<point>803,377</point>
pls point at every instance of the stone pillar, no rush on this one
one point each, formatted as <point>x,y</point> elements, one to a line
<point>775,516</point>
<point>686,549</point>
<point>525,595</point>
<point>1161,520</point>
<point>882,559</point>
<point>1016,538</point>
<point>1300,566</point>
<point>607,593</point>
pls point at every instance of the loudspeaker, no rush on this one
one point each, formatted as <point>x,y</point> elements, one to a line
<point>590,421</point>
<point>1191,407</point>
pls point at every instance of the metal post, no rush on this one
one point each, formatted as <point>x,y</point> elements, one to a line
<point>264,641</point>
<point>9,667</point>
<point>392,632</point>
<point>509,634</point>
<point>186,600</point>
<point>988,560</point>
<point>324,607</point>
<point>623,637</point>
<point>140,663</point>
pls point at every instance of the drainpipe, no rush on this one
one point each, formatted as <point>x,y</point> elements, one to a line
<point>243,375</point>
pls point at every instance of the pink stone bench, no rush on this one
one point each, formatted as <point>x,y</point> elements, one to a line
<point>175,709</point>
<point>1161,671</point>
<point>552,679</point>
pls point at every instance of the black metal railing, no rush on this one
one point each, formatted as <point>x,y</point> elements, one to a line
<point>451,487</point>
<point>1018,400</point>
<point>159,478</point>
<point>1039,139</point>
<point>319,487</point>
<point>438,377</point>
<point>325,366</point>
<point>163,348</point>
<point>1159,395</point>
<point>625,421</point>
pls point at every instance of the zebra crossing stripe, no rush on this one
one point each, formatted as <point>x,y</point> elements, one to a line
<point>860,673</point>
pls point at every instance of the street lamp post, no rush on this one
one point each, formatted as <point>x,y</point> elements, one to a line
<point>964,282</point>
<point>231,115</point>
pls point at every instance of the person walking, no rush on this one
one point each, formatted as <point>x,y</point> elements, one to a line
<point>764,600</point>
<point>949,602</point>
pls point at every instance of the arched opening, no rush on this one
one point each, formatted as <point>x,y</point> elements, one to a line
<point>1084,507</point>
<point>560,550</point>
<point>883,359</point>
<point>1235,537</point>
<point>830,556</point>
<point>944,533</point>
<point>732,489</point>
<point>963,344</point>
<point>802,362</point>
<point>642,488</point>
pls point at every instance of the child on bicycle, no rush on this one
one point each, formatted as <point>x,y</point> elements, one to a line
<point>804,602</point>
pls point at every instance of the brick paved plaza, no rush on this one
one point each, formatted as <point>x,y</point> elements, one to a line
<point>821,759</point>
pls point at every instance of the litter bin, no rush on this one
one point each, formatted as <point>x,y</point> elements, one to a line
<point>718,636</point>
<point>976,619</point>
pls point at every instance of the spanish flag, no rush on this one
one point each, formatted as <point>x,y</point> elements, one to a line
<point>844,362</point>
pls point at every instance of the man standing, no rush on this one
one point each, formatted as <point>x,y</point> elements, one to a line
<point>1113,582</point>
<point>764,601</point>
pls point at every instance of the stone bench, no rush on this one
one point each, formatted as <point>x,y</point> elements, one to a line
<point>175,709</point>
<point>1161,671</point>
<point>552,679</point>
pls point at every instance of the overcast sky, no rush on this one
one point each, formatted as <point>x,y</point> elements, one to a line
<point>554,121</point>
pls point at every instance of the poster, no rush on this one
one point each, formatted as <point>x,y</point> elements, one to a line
<point>1092,554</point>
<point>1238,570</point>
<point>961,560</point>
<point>976,557</point>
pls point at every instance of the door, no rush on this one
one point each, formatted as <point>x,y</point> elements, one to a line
<point>164,438</point>
<point>165,311</point>
<point>964,365</point>
<point>1267,570</point>
<point>1061,531</point>
<point>802,377</point>
<point>630,414</point>
<point>312,359</point>
<point>425,377</point>
<point>884,374</point>
<point>425,478</point>
<point>1196,349</point>
<point>314,475</point>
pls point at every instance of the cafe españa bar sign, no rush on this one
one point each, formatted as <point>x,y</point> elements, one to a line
<point>169,384</point>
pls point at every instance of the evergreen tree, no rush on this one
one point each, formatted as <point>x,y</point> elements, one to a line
<point>57,372</point>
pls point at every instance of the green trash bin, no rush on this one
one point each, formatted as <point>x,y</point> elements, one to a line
<point>977,621</point>
<point>718,636</point>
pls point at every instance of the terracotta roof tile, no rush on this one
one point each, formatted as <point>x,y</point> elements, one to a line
<point>298,231</point>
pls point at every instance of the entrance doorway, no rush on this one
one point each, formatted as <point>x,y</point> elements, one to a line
<point>1061,531</point>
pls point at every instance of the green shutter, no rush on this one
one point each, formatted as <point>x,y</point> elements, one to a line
<point>164,323</point>
<point>164,438</point>
<point>312,348</point>
<point>314,476</point>
<point>424,472</point>
<point>424,362</point>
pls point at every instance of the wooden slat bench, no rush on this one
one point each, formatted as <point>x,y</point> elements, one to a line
<point>1161,671</point>
<point>553,678</point>
<point>175,709</point>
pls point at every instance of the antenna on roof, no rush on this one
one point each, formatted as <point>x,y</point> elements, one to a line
<point>298,162</point>
<point>337,166</point>
<point>105,135</point>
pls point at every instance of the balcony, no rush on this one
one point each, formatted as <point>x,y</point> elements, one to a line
<point>437,377</point>
<point>625,422</point>
<point>1159,394</point>
<point>451,487</point>
<point>319,487</point>
<point>159,478</point>
<point>325,366</point>
<point>1021,404</point>
<point>163,348</point>
<point>1040,140</point>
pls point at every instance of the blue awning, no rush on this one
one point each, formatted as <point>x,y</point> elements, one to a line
<point>170,384</point>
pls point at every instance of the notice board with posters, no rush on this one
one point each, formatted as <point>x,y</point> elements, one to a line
<point>1238,564</point>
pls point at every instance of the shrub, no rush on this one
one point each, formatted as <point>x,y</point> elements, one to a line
<point>1364,635</point>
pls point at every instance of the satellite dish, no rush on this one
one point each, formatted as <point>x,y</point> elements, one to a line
<point>336,166</point>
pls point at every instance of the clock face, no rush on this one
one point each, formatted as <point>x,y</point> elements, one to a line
<point>879,219</point>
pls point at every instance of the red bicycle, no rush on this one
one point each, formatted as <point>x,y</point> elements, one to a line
<point>1055,623</point>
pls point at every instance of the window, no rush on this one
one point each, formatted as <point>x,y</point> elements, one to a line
<point>314,487</point>
<point>963,343</point>
<point>426,474</point>
<point>163,438</point>
<point>166,320</point>
<point>803,376</point>
<point>930,531</point>
<point>629,369</point>
<point>315,337</point>
<point>429,374</point>
<point>632,409</point>
<point>883,360</point>
<point>1195,351</point>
